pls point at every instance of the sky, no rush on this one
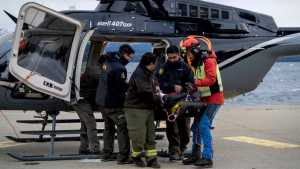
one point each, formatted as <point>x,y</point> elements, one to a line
<point>285,12</point>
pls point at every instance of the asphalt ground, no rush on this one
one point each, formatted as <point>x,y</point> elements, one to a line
<point>258,137</point>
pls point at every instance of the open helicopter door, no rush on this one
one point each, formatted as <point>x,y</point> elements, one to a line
<point>79,66</point>
<point>44,50</point>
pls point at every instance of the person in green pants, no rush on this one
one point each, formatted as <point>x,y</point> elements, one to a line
<point>139,102</point>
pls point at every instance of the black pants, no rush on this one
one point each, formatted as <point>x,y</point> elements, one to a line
<point>178,134</point>
<point>88,134</point>
<point>115,118</point>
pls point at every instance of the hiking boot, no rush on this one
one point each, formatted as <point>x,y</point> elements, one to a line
<point>207,163</point>
<point>139,161</point>
<point>153,163</point>
<point>194,157</point>
<point>190,160</point>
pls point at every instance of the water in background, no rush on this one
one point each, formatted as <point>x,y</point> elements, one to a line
<point>281,85</point>
<point>139,48</point>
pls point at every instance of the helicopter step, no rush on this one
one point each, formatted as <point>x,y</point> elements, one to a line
<point>57,132</point>
<point>45,139</point>
<point>50,121</point>
<point>59,139</point>
<point>65,132</point>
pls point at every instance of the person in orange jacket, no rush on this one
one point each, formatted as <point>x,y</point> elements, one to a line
<point>208,84</point>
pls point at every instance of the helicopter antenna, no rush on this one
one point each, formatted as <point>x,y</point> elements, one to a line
<point>13,18</point>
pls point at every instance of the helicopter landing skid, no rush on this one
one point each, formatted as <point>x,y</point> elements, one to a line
<point>51,155</point>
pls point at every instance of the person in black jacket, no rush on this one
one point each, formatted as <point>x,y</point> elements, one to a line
<point>89,143</point>
<point>110,98</point>
<point>173,77</point>
<point>140,100</point>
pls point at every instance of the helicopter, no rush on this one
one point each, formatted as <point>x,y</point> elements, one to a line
<point>247,45</point>
<point>52,55</point>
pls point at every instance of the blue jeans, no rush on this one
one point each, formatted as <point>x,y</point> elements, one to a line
<point>201,130</point>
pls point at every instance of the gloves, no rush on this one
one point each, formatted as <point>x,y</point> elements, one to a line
<point>191,88</point>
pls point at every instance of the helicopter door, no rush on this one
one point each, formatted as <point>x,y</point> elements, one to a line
<point>44,50</point>
<point>79,64</point>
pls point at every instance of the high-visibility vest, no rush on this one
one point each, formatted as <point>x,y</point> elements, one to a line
<point>206,91</point>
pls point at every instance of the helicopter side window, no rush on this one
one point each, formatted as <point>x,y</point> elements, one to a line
<point>214,13</point>
<point>248,16</point>
<point>193,11</point>
<point>182,9</point>
<point>45,49</point>
<point>204,12</point>
<point>225,15</point>
<point>46,55</point>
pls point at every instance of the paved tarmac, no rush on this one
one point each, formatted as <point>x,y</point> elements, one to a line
<point>262,137</point>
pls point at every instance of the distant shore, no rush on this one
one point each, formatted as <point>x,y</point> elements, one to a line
<point>289,59</point>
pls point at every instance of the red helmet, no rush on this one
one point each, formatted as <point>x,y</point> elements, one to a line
<point>198,42</point>
<point>189,42</point>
